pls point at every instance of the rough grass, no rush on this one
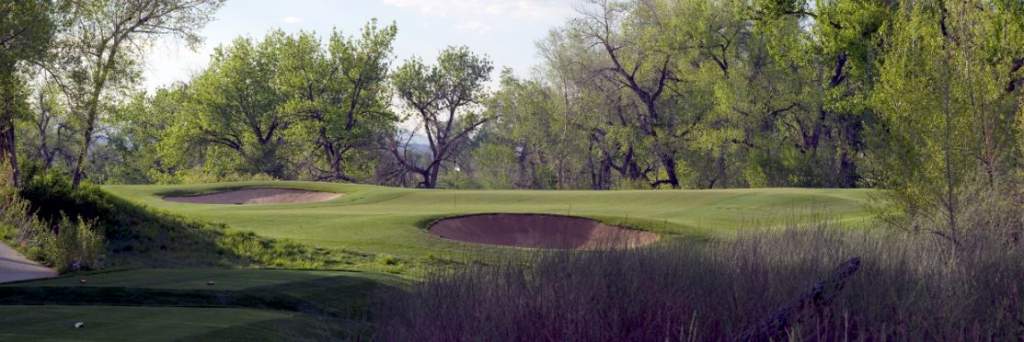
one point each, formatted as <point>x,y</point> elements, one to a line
<point>907,288</point>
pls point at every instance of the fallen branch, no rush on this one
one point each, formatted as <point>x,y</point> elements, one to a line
<point>776,326</point>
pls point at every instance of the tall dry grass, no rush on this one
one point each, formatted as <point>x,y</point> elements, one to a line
<point>909,286</point>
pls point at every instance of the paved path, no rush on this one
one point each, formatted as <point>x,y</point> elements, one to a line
<point>15,267</point>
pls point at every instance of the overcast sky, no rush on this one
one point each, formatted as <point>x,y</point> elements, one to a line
<point>505,30</point>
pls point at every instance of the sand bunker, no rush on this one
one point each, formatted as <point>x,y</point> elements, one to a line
<point>257,196</point>
<point>539,231</point>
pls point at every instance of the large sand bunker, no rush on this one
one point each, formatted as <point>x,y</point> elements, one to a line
<point>539,231</point>
<point>257,196</point>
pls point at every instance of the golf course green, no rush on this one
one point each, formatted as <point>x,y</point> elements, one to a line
<point>373,219</point>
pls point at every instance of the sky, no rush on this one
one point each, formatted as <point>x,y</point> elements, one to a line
<point>504,30</point>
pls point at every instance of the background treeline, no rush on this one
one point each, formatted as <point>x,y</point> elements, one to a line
<point>921,96</point>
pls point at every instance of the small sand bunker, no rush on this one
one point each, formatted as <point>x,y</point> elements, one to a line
<point>540,231</point>
<point>257,196</point>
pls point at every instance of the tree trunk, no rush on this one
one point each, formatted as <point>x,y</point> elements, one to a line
<point>8,149</point>
<point>669,162</point>
<point>76,179</point>
<point>432,172</point>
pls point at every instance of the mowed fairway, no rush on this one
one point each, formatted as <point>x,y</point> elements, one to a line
<point>376,219</point>
<point>123,323</point>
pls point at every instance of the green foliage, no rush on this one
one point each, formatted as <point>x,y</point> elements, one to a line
<point>17,222</point>
<point>947,117</point>
<point>444,98</point>
<point>529,144</point>
<point>236,104</point>
<point>341,95</point>
<point>287,106</point>
<point>64,244</point>
<point>74,246</point>
<point>26,28</point>
<point>97,55</point>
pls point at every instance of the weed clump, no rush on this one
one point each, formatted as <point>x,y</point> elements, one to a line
<point>63,244</point>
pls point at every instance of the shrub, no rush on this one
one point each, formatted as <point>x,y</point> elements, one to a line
<point>15,218</point>
<point>75,246</point>
<point>64,244</point>
<point>18,225</point>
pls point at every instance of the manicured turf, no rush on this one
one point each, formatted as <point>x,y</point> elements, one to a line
<point>386,220</point>
<point>223,279</point>
<point>141,305</point>
<point>122,323</point>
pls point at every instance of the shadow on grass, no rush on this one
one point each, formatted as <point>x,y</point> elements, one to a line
<point>296,328</point>
<point>137,235</point>
<point>329,308</point>
<point>345,297</point>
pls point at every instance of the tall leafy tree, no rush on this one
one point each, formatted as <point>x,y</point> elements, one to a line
<point>236,106</point>
<point>445,99</point>
<point>654,69</point>
<point>26,28</point>
<point>530,143</point>
<point>340,93</point>
<point>100,52</point>
<point>947,104</point>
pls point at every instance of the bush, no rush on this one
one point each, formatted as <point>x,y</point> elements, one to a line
<point>16,221</point>
<point>64,244</point>
<point>75,246</point>
<point>18,225</point>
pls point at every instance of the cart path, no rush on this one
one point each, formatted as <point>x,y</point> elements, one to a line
<point>15,267</point>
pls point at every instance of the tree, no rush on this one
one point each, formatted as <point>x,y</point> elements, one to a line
<point>597,108</point>
<point>947,106</point>
<point>100,51</point>
<point>340,93</point>
<point>444,97</point>
<point>516,145</point>
<point>26,28</point>
<point>652,67</point>
<point>46,140</point>
<point>236,106</point>
<point>141,128</point>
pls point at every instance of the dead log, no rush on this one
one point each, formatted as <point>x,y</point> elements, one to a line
<point>820,297</point>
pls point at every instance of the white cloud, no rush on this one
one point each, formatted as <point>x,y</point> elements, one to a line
<point>291,20</point>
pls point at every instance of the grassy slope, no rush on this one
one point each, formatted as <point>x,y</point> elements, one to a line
<point>389,220</point>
